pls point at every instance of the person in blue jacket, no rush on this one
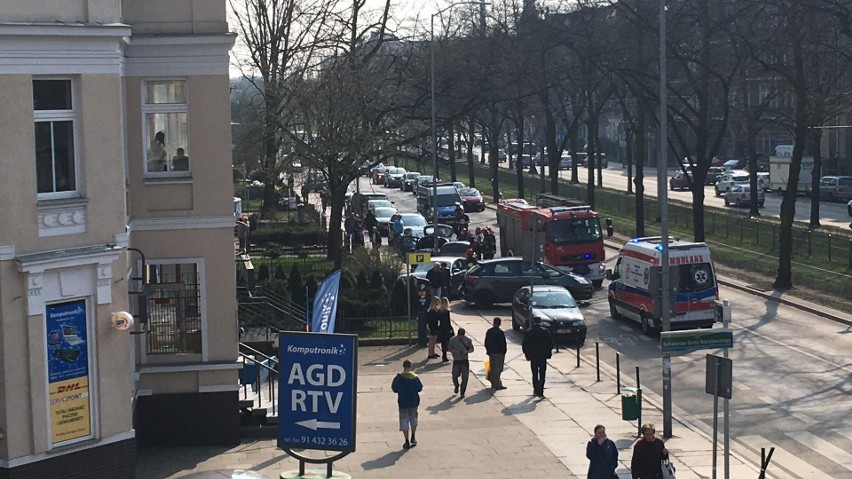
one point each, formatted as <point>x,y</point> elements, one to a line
<point>407,386</point>
<point>602,454</point>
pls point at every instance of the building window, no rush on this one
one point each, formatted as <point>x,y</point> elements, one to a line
<point>56,165</point>
<point>174,308</point>
<point>166,128</point>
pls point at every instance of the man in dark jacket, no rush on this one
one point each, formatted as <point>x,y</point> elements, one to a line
<point>437,287</point>
<point>537,347</point>
<point>407,386</point>
<point>495,347</point>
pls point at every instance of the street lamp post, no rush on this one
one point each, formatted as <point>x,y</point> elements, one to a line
<point>433,202</point>
<point>662,195</point>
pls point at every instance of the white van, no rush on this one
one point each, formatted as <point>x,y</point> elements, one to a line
<point>634,288</point>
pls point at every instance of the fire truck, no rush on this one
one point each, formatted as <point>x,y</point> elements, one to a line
<point>567,237</point>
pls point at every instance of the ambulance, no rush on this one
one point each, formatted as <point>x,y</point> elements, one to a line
<point>635,290</point>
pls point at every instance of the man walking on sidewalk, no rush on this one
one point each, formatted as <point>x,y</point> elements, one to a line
<point>537,347</point>
<point>495,347</point>
<point>407,386</point>
<point>460,345</point>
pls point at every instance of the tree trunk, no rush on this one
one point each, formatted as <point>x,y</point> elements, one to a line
<point>451,156</point>
<point>335,223</point>
<point>628,154</point>
<point>553,156</point>
<point>471,173</point>
<point>816,137</point>
<point>519,164</point>
<point>639,181</point>
<point>270,150</point>
<point>591,137</point>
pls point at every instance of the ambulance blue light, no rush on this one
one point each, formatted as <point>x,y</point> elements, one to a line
<point>588,256</point>
<point>660,247</point>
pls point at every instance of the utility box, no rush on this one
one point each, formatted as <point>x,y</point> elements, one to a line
<point>631,403</point>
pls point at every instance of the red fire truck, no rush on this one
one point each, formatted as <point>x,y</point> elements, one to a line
<point>566,236</point>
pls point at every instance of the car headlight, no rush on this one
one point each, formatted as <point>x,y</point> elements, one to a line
<point>601,267</point>
<point>579,322</point>
<point>582,280</point>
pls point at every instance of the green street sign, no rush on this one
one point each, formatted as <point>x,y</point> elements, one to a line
<point>688,341</point>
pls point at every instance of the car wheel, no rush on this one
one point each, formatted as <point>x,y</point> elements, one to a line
<point>849,209</point>
<point>646,328</point>
<point>515,325</point>
<point>597,283</point>
<point>726,202</point>
<point>581,340</point>
<point>718,193</point>
<point>760,205</point>
<point>484,299</point>
<point>613,313</point>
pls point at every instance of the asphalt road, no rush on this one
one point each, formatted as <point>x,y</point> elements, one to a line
<point>615,177</point>
<point>792,372</point>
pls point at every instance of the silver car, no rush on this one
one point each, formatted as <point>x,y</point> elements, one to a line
<point>741,195</point>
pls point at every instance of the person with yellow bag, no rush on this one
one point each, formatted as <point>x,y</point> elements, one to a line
<point>495,347</point>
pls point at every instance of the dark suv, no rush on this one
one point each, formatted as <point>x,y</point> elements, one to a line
<point>497,280</point>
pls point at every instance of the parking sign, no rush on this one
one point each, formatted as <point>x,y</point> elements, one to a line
<point>317,391</point>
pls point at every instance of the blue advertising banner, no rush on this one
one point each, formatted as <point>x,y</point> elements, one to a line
<point>317,391</point>
<point>68,371</point>
<point>325,304</point>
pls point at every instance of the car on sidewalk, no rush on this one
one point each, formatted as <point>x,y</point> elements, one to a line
<point>408,180</point>
<point>497,280</point>
<point>557,309</point>
<point>456,248</point>
<point>471,199</point>
<point>383,215</point>
<point>456,266</point>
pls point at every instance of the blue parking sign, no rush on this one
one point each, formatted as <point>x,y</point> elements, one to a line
<point>317,391</point>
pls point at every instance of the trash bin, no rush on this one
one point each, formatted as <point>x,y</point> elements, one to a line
<point>631,404</point>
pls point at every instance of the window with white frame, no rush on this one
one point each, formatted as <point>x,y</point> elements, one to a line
<point>165,115</point>
<point>54,114</point>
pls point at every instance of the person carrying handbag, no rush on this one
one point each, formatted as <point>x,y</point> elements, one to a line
<point>602,454</point>
<point>648,454</point>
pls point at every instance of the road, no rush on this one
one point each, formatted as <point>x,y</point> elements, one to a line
<point>615,177</point>
<point>792,373</point>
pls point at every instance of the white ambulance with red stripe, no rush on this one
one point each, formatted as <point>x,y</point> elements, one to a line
<point>635,291</point>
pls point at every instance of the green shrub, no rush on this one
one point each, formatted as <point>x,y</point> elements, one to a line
<point>263,273</point>
<point>289,234</point>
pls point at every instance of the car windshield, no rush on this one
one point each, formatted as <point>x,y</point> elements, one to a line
<point>411,219</point>
<point>730,163</point>
<point>739,178</point>
<point>575,231</point>
<point>380,204</point>
<point>425,267</point>
<point>411,176</point>
<point>553,299</point>
<point>469,192</point>
<point>454,247</point>
<point>396,171</point>
<point>446,200</point>
<point>385,212</point>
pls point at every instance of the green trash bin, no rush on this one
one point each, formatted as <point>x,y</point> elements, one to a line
<point>631,404</point>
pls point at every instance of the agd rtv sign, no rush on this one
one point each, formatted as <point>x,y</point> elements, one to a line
<point>317,391</point>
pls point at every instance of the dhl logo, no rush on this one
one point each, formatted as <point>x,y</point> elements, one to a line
<point>69,388</point>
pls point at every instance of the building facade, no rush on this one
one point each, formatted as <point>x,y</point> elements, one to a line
<point>116,198</point>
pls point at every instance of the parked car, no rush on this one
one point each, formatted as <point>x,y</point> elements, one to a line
<point>378,174</point>
<point>393,177</point>
<point>763,177</point>
<point>408,181</point>
<point>459,185</point>
<point>383,216</point>
<point>679,181</point>
<point>372,204</point>
<point>741,195</point>
<point>736,164</point>
<point>557,309</point>
<point>457,267</point>
<point>413,221</point>
<point>730,179</point>
<point>454,248</point>
<point>835,188</point>
<point>471,199</point>
<point>565,162</point>
<point>422,180</point>
<point>849,208</point>
<point>360,201</point>
<point>497,280</point>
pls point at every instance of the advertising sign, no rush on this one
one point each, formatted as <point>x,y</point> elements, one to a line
<point>325,304</point>
<point>68,371</point>
<point>688,341</point>
<point>317,391</point>
<point>419,258</point>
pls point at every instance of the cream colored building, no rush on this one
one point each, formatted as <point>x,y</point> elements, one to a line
<point>115,195</point>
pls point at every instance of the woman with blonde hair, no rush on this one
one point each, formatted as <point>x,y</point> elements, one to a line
<point>445,327</point>
<point>432,319</point>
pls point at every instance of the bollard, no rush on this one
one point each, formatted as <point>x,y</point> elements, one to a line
<point>637,378</point>
<point>578,356</point>
<point>598,360</point>
<point>810,251</point>
<point>617,373</point>
<point>829,246</point>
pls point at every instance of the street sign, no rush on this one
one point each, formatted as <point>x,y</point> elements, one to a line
<point>317,391</point>
<point>719,378</point>
<point>419,258</point>
<point>688,341</point>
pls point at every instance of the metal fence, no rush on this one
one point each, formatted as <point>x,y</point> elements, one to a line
<point>174,321</point>
<point>386,327</point>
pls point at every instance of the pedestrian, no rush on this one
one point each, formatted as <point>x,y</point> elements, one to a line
<point>537,347</point>
<point>436,280</point>
<point>495,347</point>
<point>448,282</point>
<point>422,305</point>
<point>243,229</point>
<point>460,345</point>
<point>407,387</point>
<point>370,221</point>
<point>648,454</point>
<point>602,454</point>
<point>433,316</point>
<point>376,238</point>
<point>445,328</point>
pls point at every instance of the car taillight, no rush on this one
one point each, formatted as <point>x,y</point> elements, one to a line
<point>469,279</point>
<point>838,189</point>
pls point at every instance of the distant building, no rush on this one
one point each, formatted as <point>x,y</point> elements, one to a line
<point>97,98</point>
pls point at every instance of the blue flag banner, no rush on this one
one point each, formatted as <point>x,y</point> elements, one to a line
<point>325,305</point>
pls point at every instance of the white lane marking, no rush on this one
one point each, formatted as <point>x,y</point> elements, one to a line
<point>804,418</point>
<point>823,447</point>
<point>845,432</point>
<point>767,399</point>
<point>741,387</point>
<point>783,459</point>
